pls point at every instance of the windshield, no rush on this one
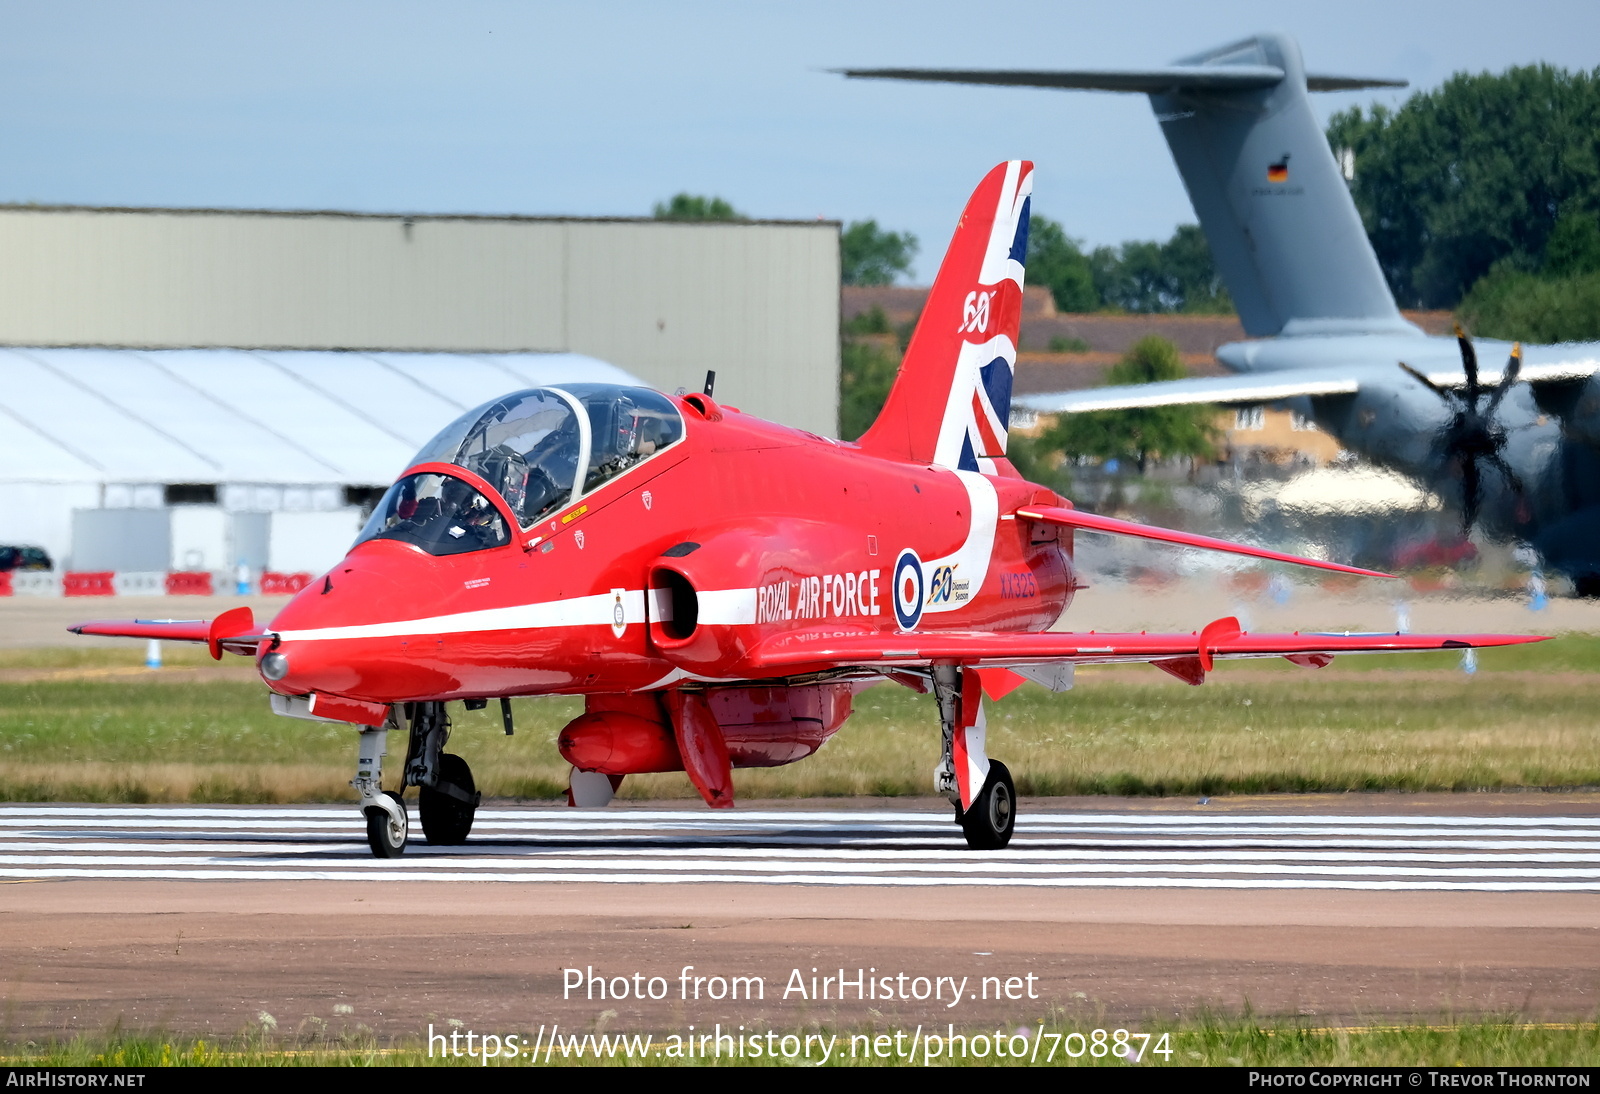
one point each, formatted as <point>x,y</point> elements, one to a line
<point>626,426</point>
<point>438,513</point>
<point>530,445</point>
<point>526,445</point>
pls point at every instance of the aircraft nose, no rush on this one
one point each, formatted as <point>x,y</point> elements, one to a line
<point>299,668</point>
<point>345,633</point>
<point>274,666</point>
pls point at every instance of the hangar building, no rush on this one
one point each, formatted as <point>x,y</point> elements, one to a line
<point>193,389</point>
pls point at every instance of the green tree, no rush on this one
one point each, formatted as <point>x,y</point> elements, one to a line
<point>868,255</point>
<point>1187,256</point>
<point>1560,302</point>
<point>866,373</point>
<point>1145,276</point>
<point>1057,261</point>
<point>696,207</point>
<point>1473,175</point>
<point>1574,246</point>
<point>1144,433</point>
<point>1511,303</point>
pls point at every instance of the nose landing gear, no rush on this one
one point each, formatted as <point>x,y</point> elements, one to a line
<point>387,828</point>
<point>387,821</point>
<point>447,796</point>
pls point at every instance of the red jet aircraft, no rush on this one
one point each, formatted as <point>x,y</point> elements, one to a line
<point>717,587</point>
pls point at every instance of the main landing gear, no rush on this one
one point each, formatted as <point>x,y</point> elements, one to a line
<point>981,789</point>
<point>447,798</point>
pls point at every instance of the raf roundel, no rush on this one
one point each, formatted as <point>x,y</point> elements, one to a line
<point>908,589</point>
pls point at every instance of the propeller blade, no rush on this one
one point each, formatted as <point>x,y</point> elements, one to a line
<point>1470,491</point>
<point>1499,464</point>
<point>1444,393</point>
<point>1469,362</point>
<point>1513,370</point>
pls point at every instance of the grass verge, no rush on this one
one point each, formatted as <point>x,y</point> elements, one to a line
<point>81,725</point>
<point>1203,1042</point>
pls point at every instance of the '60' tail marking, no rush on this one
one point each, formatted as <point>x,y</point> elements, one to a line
<point>975,312</point>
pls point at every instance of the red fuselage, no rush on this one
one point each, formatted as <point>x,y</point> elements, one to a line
<point>741,533</point>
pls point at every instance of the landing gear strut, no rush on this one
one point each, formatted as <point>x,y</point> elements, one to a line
<point>387,822</point>
<point>981,789</point>
<point>447,799</point>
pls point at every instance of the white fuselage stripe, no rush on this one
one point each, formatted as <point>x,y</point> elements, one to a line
<point>718,607</point>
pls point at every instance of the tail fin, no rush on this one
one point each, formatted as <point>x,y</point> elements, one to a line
<point>951,400</point>
<point>1272,201</point>
<point>1283,229</point>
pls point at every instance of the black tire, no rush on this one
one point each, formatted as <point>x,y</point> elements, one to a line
<point>447,820</point>
<point>383,837</point>
<point>993,817</point>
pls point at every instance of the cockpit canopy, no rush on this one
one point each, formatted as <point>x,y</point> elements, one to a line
<point>531,445</point>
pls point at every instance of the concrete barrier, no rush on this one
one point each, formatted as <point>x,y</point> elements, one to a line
<point>88,583</point>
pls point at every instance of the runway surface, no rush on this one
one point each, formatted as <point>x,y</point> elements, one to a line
<point>816,847</point>
<point>1347,907</point>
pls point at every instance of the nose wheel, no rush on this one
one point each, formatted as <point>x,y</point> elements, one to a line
<point>387,821</point>
<point>387,828</point>
<point>448,799</point>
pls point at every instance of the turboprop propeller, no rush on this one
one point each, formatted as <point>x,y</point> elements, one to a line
<point>1473,438</point>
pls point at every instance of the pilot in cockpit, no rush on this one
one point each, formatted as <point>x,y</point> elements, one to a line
<point>468,515</point>
<point>552,466</point>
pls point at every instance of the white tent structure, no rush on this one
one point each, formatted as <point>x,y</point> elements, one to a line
<point>153,460</point>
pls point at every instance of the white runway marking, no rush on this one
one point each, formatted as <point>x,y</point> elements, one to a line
<point>821,847</point>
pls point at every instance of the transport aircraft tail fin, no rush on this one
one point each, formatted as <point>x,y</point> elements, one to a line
<point>951,400</point>
<point>1270,195</point>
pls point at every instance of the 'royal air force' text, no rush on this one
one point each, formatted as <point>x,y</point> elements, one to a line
<point>826,597</point>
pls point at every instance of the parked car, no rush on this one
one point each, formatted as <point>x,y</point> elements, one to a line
<point>23,558</point>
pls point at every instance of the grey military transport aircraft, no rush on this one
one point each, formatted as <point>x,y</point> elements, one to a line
<point>1514,444</point>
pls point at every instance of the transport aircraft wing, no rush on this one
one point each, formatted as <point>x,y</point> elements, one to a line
<point>1544,365</point>
<point>1247,389</point>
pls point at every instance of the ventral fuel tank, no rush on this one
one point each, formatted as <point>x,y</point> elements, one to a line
<point>761,727</point>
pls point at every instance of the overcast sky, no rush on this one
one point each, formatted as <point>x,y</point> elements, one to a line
<point>605,108</point>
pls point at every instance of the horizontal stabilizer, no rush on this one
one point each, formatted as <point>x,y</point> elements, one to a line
<point>1149,81</point>
<point>1090,522</point>
<point>803,653</point>
<point>234,631</point>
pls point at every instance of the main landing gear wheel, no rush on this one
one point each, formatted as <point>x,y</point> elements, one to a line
<point>386,835</point>
<point>989,823</point>
<point>448,806</point>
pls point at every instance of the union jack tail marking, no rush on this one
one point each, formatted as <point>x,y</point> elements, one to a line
<point>951,402</point>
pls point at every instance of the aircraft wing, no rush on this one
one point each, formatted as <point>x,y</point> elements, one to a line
<point>1242,389</point>
<point>1541,365</point>
<point>1221,639</point>
<point>234,631</point>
